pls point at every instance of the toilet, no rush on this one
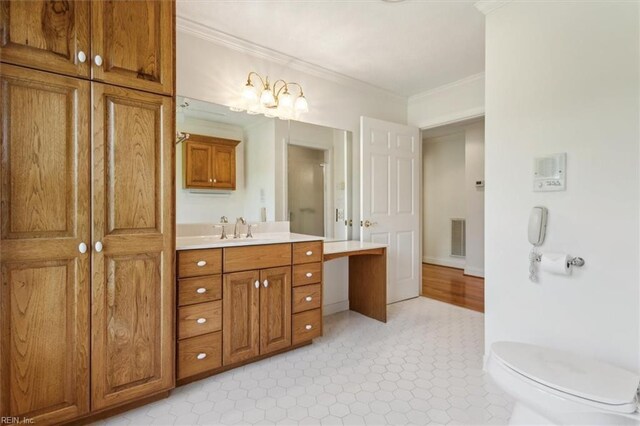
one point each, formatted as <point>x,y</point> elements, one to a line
<point>556,387</point>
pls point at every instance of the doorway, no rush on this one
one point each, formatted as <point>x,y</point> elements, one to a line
<point>306,195</point>
<point>453,214</point>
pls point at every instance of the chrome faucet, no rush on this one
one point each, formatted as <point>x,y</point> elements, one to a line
<point>249,234</point>
<point>236,230</point>
<point>223,221</point>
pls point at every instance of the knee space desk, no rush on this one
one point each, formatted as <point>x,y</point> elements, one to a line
<point>367,275</point>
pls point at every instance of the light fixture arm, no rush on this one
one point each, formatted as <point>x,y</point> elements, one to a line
<point>262,81</point>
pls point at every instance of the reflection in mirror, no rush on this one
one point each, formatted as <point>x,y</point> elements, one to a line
<point>318,163</point>
<point>239,165</point>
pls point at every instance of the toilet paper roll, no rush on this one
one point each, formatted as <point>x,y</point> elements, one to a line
<point>556,263</point>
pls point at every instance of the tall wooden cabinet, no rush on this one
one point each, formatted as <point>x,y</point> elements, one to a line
<point>86,207</point>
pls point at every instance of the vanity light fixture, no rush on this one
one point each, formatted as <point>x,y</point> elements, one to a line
<point>271,100</point>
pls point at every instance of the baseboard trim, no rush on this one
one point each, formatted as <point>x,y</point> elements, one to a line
<point>333,308</point>
<point>451,263</point>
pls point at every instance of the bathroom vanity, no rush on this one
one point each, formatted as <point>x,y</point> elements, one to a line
<point>241,300</point>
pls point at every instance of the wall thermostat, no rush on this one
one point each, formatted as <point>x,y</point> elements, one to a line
<point>550,173</point>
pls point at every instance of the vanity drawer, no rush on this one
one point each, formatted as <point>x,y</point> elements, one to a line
<point>199,354</point>
<point>307,325</point>
<point>307,252</point>
<point>199,289</point>
<point>309,273</point>
<point>202,318</point>
<point>306,297</point>
<point>195,263</point>
<point>247,258</point>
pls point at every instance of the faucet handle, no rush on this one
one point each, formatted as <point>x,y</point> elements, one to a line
<point>224,219</point>
<point>241,220</point>
<point>249,234</point>
<point>223,235</point>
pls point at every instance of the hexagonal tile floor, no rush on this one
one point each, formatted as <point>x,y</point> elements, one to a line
<point>423,367</point>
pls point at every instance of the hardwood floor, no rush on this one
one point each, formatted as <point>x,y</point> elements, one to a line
<point>450,285</point>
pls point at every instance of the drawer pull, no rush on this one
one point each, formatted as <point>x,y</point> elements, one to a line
<point>201,320</point>
<point>201,263</point>
<point>201,290</point>
<point>308,327</point>
<point>309,253</point>
<point>309,274</point>
<point>308,298</point>
<point>201,356</point>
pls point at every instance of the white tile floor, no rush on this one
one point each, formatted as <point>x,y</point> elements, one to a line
<point>423,367</point>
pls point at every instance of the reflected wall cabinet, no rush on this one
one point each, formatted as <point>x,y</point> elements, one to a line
<point>209,163</point>
<point>86,206</point>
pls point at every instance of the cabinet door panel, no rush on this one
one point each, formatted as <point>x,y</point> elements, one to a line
<point>198,165</point>
<point>224,167</point>
<point>241,317</point>
<point>133,291</point>
<point>136,42</point>
<point>275,309</point>
<point>47,35</point>
<point>44,216</point>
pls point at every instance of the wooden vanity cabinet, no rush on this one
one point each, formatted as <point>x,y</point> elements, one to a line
<point>209,162</point>
<point>265,309</point>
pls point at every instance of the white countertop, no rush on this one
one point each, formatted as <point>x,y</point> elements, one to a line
<point>214,241</point>
<point>334,247</point>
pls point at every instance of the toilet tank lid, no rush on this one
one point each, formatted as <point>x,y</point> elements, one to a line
<point>569,373</point>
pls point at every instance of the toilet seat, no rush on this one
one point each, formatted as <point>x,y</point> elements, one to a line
<point>569,376</point>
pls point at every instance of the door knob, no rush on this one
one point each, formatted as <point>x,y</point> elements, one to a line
<point>98,246</point>
<point>97,60</point>
<point>82,57</point>
<point>368,223</point>
<point>82,248</point>
<point>257,284</point>
<point>265,283</point>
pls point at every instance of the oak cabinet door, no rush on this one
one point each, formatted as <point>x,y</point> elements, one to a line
<point>135,42</point>
<point>241,317</point>
<point>224,167</point>
<point>44,219</point>
<point>275,309</point>
<point>47,35</point>
<point>133,274</point>
<point>198,164</point>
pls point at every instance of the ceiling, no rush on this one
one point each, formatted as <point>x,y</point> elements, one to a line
<point>405,47</point>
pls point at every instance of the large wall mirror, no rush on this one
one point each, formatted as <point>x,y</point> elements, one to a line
<point>265,170</point>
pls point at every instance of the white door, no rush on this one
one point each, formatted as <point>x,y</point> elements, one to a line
<point>390,156</point>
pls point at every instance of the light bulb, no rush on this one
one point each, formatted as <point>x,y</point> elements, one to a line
<point>249,93</point>
<point>301,104</point>
<point>285,101</point>
<point>267,99</point>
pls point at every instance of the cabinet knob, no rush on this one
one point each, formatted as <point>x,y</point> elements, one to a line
<point>215,181</point>
<point>265,283</point>
<point>97,60</point>
<point>308,327</point>
<point>201,263</point>
<point>82,57</point>
<point>201,355</point>
<point>309,274</point>
<point>309,253</point>
<point>82,248</point>
<point>201,320</point>
<point>308,298</point>
<point>210,180</point>
<point>98,246</point>
<point>257,284</point>
<point>201,290</point>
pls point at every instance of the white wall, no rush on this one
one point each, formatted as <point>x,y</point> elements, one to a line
<point>260,171</point>
<point>457,101</point>
<point>214,72</point>
<point>444,196</point>
<point>563,77</point>
<point>474,198</point>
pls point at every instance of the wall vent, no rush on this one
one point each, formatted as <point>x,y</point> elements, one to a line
<point>458,230</point>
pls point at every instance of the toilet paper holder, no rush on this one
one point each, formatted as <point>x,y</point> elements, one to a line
<point>575,261</point>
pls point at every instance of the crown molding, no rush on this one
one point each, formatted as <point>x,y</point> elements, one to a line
<point>191,27</point>
<point>445,87</point>
<point>488,6</point>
